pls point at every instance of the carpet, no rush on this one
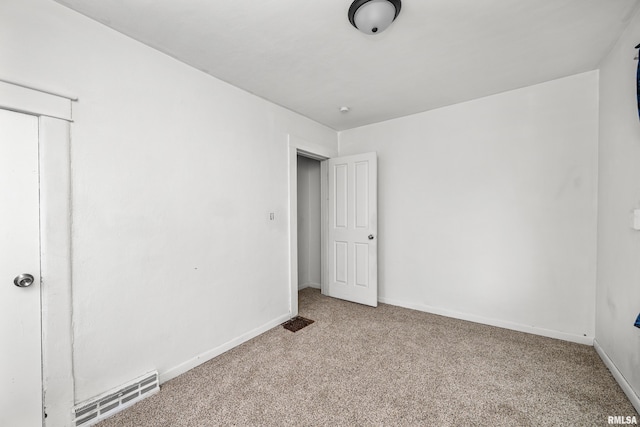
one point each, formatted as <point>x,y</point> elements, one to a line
<point>362,366</point>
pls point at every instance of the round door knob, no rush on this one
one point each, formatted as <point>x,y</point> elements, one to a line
<point>23,280</point>
<point>370,236</point>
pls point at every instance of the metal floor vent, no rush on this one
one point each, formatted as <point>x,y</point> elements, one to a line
<point>297,323</point>
<point>93,410</point>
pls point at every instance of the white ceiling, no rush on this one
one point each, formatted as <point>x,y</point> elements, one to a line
<point>305,55</point>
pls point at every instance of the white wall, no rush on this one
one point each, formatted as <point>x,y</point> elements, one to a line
<point>308,223</point>
<point>618,288</point>
<point>173,176</point>
<point>487,209</point>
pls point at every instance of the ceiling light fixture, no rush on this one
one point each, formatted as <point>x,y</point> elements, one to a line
<point>373,16</point>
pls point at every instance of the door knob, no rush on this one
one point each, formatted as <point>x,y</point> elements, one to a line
<point>370,236</point>
<point>23,280</point>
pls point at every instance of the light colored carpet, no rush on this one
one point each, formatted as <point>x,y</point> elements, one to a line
<point>358,365</point>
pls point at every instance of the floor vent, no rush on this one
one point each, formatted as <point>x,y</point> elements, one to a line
<point>296,323</point>
<point>93,410</point>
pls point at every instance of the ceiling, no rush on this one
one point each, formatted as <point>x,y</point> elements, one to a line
<point>305,56</point>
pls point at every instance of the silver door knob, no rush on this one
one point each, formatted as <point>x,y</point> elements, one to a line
<point>370,236</point>
<point>23,280</point>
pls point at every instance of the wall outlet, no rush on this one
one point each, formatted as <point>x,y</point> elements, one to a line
<point>272,216</point>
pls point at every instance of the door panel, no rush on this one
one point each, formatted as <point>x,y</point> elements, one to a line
<point>341,194</point>
<point>362,265</point>
<point>362,194</point>
<point>20,336</point>
<point>352,229</point>
<point>341,263</point>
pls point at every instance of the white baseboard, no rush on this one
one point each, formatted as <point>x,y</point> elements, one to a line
<point>492,322</point>
<point>624,385</point>
<point>210,354</point>
<point>309,285</point>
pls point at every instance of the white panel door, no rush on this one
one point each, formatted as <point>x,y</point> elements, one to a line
<point>20,337</point>
<point>352,260</point>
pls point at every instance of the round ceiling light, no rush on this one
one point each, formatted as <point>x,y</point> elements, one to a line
<point>373,16</point>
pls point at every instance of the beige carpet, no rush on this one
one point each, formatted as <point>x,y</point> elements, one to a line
<point>358,365</point>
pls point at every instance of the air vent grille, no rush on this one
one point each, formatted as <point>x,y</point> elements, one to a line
<point>90,412</point>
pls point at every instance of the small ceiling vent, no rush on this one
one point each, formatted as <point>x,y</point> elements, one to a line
<point>98,408</point>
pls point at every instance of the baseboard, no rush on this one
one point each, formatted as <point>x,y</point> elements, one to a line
<point>624,385</point>
<point>309,285</point>
<point>492,322</point>
<point>210,354</point>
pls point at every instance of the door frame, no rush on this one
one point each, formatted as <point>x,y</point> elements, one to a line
<point>54,114</point>
<point>299,146</point>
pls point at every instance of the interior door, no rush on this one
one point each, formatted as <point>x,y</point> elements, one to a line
<point>20,336</point>
<point>352,259</point>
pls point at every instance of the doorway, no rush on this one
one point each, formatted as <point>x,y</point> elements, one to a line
<point>319,153</point>
<point>309,223</point>
<point>348,236</point>
<point>52,114</point>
